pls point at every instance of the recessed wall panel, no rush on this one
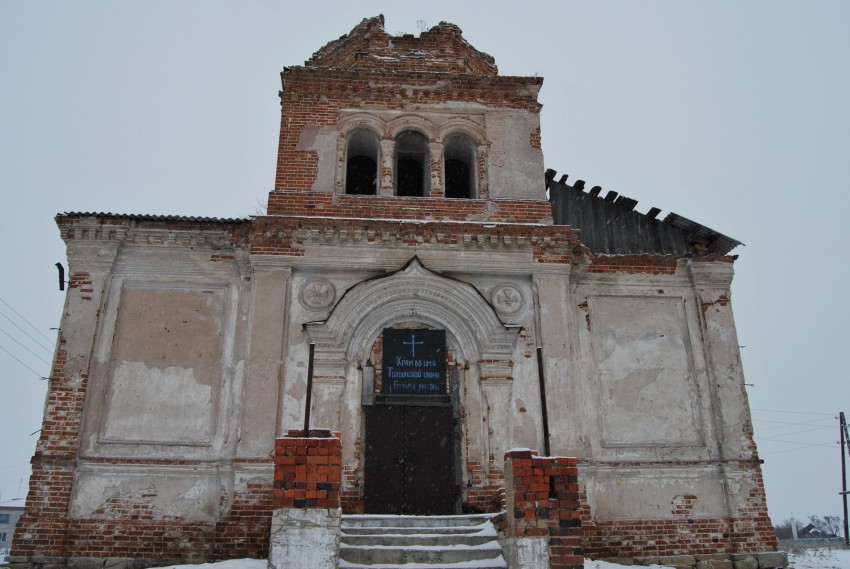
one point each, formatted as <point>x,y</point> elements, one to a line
<point>644,371</point>
<point>166,367</point>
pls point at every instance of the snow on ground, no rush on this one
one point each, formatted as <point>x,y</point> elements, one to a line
<point>262,564</point>
<point>229,564</point>
<point>819,558</point>
<point>590,564</point>
<point>813,558</point>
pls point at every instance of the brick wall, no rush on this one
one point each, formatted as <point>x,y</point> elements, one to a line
<point>313,97</point>
<point>644,263</point>
<point>748,531</point>
<point>328,205</point>
<point>440,49</point>
<point>486,493</point>
<point>43,529</point>
<point>542,500</point>
<point>291,235</point>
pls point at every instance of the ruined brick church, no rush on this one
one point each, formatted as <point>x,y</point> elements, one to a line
<point>420,285</point>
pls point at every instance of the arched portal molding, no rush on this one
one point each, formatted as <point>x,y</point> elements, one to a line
<point>417,294</point>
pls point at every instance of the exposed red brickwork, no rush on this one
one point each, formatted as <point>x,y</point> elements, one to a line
<point>535,138</point>
<point>486,492</point>
<point>329,205</point>
<point>752,530</point>
<point>440,49</point>
<point>749,531</point>
<point>683,505</point>
<point>352,500</point>
<point>651,264</point>
<point>647,263</point>
<point>133,527</point>
<point>81,281</point>
<point>245,531</point>
<point>542,495</point>
<point>42,530</point>
<point>308,470</point>
<point>513,223</point>
<point>643,538</point>
<point>313,97</point>
<point>722,300</point>
<point>290,236</point>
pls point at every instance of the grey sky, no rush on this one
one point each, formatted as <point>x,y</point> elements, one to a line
<point>732,114</point>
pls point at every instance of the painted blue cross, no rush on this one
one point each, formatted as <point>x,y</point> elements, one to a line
<point>412,343</point>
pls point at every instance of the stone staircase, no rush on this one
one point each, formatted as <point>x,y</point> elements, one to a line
<point>414,542</point>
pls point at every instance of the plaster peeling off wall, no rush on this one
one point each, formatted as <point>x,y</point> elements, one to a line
<point>167,405</point>
<point>644,371</point>
<point>515,165</point>
<point>166,366</point>
<point>110,495</point>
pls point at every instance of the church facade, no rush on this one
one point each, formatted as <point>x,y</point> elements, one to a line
<point>418,285</point>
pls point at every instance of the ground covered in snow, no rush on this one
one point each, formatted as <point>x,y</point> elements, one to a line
<point>812,558</point>
<point>819,558</point>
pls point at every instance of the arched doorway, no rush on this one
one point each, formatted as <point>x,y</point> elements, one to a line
<point>478,346</point>
<point>412,436</point>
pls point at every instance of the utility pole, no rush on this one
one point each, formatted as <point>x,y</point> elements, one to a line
<point>843,427</point>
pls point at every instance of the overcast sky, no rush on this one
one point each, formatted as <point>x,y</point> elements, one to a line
<point>733,114</point>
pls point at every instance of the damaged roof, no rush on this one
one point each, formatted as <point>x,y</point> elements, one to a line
<point>610,225</point>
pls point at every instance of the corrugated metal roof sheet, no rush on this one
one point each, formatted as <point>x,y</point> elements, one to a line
<point>151,217</point>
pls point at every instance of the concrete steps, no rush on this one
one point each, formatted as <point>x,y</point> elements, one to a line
<point>420,542</point>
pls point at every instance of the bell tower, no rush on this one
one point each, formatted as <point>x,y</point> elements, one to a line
<point>405,127</point>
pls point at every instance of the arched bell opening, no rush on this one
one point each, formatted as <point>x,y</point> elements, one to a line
<point>412,167</point>
<point>361,168</point>
<point>459,165</point>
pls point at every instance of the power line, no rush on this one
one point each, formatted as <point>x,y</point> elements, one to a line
<point>790,429</point>
<point>24,347</point>
<point>25,320</point>
<point>791,449</point>
<point>792,412</point>
<point>795,428</point>
<point>798,442</point>
<point>763,454</point>
<point>789,423</point>
<point>795,431</point>
<point>25,333</point>
<point>22,363</point>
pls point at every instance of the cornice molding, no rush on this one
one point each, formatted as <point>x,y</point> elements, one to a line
<point>711,274</point>
<point>88,230</point>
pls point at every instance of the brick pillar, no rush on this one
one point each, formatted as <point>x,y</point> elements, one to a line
<point>305,527</point>
<point>542,521</point>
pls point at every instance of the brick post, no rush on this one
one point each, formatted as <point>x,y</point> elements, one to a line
<point>542,521</point>
<point>305,527</point>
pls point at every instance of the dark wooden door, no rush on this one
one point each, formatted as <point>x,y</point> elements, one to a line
<point>410,460</point>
